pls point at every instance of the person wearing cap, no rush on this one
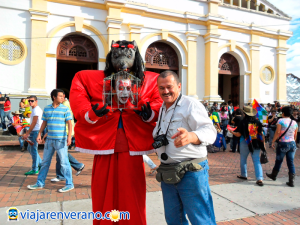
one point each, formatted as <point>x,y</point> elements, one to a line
<point>251,141</point>
<point>15,124</point>
<point>2,114</point>
<point>32,133</point>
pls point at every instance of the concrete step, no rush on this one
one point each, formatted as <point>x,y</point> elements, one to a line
<point>13,145</point>
<point>8,138</point>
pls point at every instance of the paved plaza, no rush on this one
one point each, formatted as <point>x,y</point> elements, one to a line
<point>235,201</point>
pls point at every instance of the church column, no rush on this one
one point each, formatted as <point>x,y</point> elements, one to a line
<point>257,4</point>
<point>211,63</point>
<point>192,64</point>
<point>281,70</point>
<point>39,20</point>
<point>135,33</point>
<point>211,38</point>
<point>248,4</point>
<point>113,22</point>
<point>240,3</point>
<point>255,67</point>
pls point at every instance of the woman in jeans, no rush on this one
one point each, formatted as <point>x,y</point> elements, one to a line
<point>238,117</point>
<point>223,115</point>
<point>251,141</point>
<point>286,146</point>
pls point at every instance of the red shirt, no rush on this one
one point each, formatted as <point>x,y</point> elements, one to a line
<point>7,103</point>
<point>100,137</point>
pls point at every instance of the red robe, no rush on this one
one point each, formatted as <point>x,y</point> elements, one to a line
<point>118,177</point>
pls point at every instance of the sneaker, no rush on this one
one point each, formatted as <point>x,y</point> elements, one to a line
<point>23,149</point>
<point>56,179</point>
<point>65,189</point>
<point>79,171</point>
<point>31,172</point>
<point>34,187</point>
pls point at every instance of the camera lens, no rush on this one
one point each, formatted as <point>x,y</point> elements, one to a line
<point>164,156</point>
<point>157,144</point>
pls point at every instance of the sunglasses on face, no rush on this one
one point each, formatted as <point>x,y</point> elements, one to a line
<point>31,100</point>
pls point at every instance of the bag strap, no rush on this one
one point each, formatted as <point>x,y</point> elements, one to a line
<point>285,130</point>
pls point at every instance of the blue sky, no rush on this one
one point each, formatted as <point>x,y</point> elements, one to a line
<point>292,8</point>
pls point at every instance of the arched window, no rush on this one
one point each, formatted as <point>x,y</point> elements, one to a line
<point>78,51</point>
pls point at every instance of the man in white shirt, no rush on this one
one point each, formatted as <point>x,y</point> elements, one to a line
<point>188,130</point>
<point>32,133</point>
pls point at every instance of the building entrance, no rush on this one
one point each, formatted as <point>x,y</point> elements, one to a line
<point>229,79</point>
<point>74,53</point>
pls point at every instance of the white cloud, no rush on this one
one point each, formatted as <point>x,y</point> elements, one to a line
<point>294,50</point>
<point>290,7</point>
<point>293,66</point>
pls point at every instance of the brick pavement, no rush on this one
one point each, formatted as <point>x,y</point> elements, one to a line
<point>224,166</point>
<point>285,217</point>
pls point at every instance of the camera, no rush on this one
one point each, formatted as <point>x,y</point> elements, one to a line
<point>160,140</point>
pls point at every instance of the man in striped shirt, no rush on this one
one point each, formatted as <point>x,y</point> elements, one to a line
<point>55,117</point>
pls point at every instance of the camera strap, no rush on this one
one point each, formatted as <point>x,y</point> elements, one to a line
<point>171,116</point>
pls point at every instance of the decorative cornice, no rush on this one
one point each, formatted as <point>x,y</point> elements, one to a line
<point>254,46</point>
<point>192,36</point>
<point>211,38</point>
<point>135,28</point>
<point>39,15</point>
<point>113,22</point>
<point>281,50</point>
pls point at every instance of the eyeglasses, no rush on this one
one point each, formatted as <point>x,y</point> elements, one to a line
<point>31,100</point>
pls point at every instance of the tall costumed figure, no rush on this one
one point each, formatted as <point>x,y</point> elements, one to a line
<point>116,110</point>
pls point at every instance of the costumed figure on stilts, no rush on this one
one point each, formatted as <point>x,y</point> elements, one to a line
<point>116,110</point>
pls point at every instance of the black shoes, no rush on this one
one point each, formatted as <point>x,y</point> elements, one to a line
<point>291,180</point>
<point>272,175</point>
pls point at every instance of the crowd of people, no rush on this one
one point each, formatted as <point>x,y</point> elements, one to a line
<point>189,132</point>
<point>246,134</point>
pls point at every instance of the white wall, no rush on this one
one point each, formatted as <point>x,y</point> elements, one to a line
<point>16,78</point>
<point>187,5</point>
<point>240,37</point>
<point>268,57</point>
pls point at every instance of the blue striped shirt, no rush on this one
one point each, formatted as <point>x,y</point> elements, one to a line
<point>56,119</point>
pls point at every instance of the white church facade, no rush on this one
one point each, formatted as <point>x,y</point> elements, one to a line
<point>222,50</point>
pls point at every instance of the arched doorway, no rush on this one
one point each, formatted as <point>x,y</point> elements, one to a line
<point>161,56</point>
<point>229,79</point>
<point>74,53</point>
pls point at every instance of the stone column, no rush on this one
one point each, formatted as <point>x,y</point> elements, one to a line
<point>248,3</point>
<point>113,22</point>
<point>240,3</point>
<point>135,33</point>
<point>255,67</point>
<point>231,2</point>
<point>257,4</point>
<point>192,64</point>
<point>281,70</point>
<point>211,63</point>
<point>39,20</point>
